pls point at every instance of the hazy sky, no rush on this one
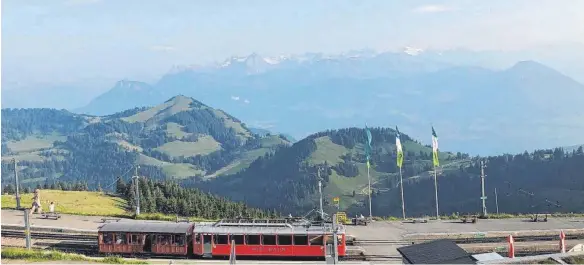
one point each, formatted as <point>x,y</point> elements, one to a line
<point>66,40</point>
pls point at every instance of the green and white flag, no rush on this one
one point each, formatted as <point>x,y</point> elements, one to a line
<point>368,146</point>
<point>435,148</point>
<point>400,152</point>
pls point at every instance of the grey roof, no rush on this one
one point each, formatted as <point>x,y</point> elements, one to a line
<point>487,256</point>
<point>441,251</point>
<point>300,230</point>
<point>147,227</point>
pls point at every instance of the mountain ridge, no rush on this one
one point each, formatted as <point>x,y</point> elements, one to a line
<point>179,138</point>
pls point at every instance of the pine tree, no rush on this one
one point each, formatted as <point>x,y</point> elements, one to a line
<point>9,189</point>
<point>120,186</point>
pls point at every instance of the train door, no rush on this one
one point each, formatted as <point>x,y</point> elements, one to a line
<point>207,245</point>
<point>148,243</point>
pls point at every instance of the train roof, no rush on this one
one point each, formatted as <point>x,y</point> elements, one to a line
<point>147,227</point>
<point>263,227</point>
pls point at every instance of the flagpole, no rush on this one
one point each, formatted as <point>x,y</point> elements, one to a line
<point>436,193</point>
<point>436,164</point>
<point>369,179</point>
<point>401,181</point>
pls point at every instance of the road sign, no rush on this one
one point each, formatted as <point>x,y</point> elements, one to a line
<point>336,199</point>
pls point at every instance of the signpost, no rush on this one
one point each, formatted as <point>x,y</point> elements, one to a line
<point>337,201</point>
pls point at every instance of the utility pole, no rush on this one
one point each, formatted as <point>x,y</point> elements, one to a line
<point>17,184</point>
<point>320,192</point>
<point>496,201</point>
<point>137,184</point>
<point>27,227</point>
<point>483,197</point>
<point>335,243</point>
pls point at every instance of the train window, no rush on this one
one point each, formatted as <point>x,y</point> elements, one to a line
<point>329,239</point>
<point>252,239</point>
<point>136,240</point>
<point>238,239</point>
<point>197,238</point>
<point>178,240</point>
<point>284,240</point>
<point>164,239</point>
<point>315,240</point>
<point>120,238</point>
<point>221,239</point>
<point>301,240</point>
<point>108,238</point>
<point>268,240</point>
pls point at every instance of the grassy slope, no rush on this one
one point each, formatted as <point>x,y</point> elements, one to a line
<point>73,202</point>
<point>229,123</point>
<point>162,111</point>
<point>83,203</point>
<point>246,158</point>
<point>205,144</point>
<point>29,148</point>
<point>343,187</point>
<point>176,130</point>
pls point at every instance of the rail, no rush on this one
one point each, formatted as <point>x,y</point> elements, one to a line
<point>465,240</point>
<point>56,236</point>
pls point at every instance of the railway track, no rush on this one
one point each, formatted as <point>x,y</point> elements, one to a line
<point>479,240</point>
<point>55,236</point>
<point>371,258</point>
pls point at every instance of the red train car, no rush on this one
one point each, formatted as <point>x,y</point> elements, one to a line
<point>283,238</point>
<point>276,238</point>
<point>142,237</point>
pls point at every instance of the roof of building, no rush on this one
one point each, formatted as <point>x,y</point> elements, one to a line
<point>487,256</point>
<point>148,227</point>
<point>441,251</point>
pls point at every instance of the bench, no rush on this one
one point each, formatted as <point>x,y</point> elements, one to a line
<point>538,217</point>
<point>469,219</point>
<point>50,216</point>
<point>420,220</point>
<point>109,220</point>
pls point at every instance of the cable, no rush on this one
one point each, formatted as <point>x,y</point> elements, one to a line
<point>114,182</point>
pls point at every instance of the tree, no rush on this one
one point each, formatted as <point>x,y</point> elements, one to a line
<point>9,189</point>
<point>120,186</point>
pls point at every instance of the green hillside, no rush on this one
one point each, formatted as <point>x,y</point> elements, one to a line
<point>289,176</point>
<point>184,140</point>
<point>542,181</point>
<point>179,138</point>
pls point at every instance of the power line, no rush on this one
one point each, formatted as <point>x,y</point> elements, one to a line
<point>114,182</point>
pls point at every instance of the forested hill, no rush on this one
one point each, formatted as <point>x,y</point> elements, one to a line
<point>179,138</point>
<point>169,198</point>
<point>542,181</point>
<point>198,146</point>
<point>287,179</point>
<point>538,182</point>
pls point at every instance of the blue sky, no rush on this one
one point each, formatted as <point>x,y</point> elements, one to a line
<point>70,40</point>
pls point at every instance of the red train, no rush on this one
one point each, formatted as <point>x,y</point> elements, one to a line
<point>284,238</point>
